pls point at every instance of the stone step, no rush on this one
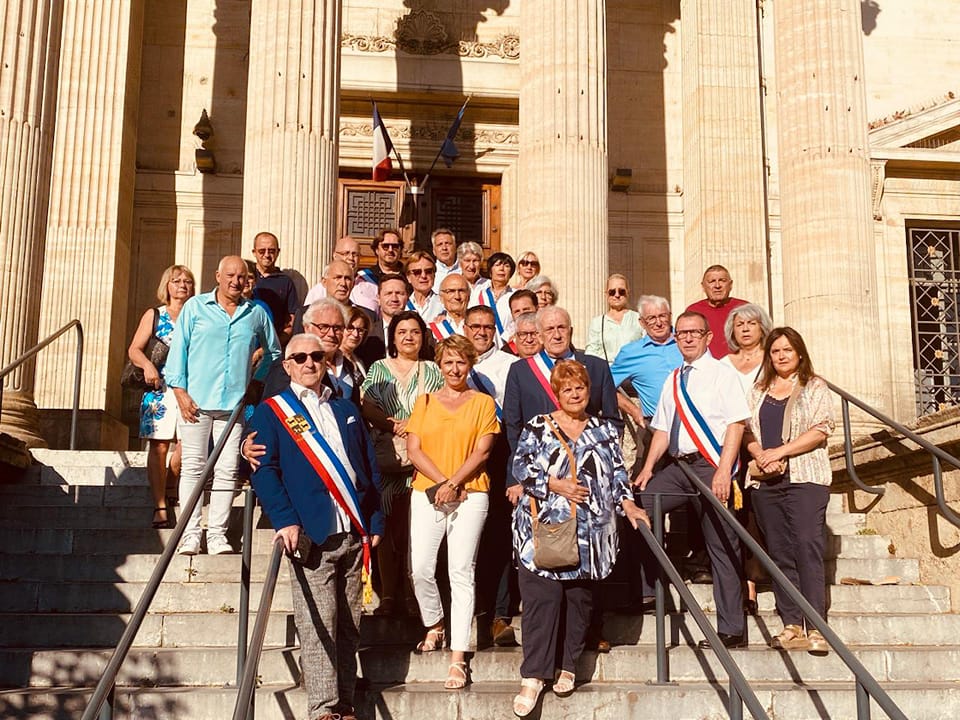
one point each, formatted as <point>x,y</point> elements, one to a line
<point>857,547</point>
<point>843,523</point>
<point>386,665</point>
<point>492,701</point>
<point>36,495</point>
<point>219,629</point>
<point>874,569</point>
<point>108,541</point>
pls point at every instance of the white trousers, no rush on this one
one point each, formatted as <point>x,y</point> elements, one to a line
<point>462,528</point>
<point>195,441</point>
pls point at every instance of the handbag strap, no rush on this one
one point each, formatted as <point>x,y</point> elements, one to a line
<point>156,321</point>
<point>788,411</point>
<point>573,467</point>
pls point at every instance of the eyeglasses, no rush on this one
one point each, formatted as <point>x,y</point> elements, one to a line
<point>651,319</point>
<point>417,272</point>
<point>690,333</point>
<point>356,329</point>
<point>390,246</point>
<point>529,335</point>
<point>476,327</point>
<point>528,263</point>
<point>617,292</point>
<point>455,291</point>
<point>344,253</point>
<point>301,358</point>
<point>323,328</point>
<point>267,251</point>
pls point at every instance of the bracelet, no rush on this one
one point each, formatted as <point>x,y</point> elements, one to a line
<point>453,486</point>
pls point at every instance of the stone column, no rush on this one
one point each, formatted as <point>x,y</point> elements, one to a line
<point>563,150</point>
<point>723,167</point>
<point>293,114</point>
<point>87,270</point>
<point>29,48</point>
<point>829,262</point>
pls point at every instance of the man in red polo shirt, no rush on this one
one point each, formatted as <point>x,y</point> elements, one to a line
<point>716,306</point>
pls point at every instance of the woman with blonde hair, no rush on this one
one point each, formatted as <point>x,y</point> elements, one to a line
<point>616,327</point>
<point>158,408</point>
<point>528,267</point>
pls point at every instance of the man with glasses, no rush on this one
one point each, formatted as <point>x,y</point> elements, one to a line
<point>273,287</point>
<point>699,421</point>
<point>526,339</point>
<point>454,294</point>
<point>209,367</point>
<point>346,250</point>
<point>420,270</point>
<point>319,484</point>
<point>387,245</point>
<point>521,302</point>
<point>337,283</point>
<point>528,394</point>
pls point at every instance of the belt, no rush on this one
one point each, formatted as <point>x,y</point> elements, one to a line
<point>688,458</point>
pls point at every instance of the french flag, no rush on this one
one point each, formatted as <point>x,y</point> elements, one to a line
<point>382,148</point>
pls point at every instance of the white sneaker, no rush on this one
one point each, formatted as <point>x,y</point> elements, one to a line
<point>190,545</point>
<point>218,545</point>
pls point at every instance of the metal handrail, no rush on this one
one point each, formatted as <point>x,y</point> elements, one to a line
<point>937,455</point>
<point>866,685</point>
<point>740,692</point>
<point>248,678</point>
<point>108,680</point>
<point>78,365</point>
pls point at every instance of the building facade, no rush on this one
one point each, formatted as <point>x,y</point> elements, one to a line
<point>810,146</point>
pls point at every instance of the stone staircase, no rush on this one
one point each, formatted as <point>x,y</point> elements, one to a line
<point>75,557</point>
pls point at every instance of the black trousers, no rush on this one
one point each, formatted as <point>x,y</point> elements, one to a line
<point>556,615</point>
<point>723,545</point>
<point>791,517</point>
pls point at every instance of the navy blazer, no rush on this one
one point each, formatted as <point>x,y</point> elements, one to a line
<point>289,488</point>
<point>524,398</point>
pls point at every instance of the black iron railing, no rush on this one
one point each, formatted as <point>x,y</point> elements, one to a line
<point>77,367</point>
<point>103,695</point>
<point>937,455</point>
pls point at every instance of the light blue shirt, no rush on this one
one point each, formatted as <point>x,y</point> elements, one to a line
<point>646,364</point>
<point>211,351</point>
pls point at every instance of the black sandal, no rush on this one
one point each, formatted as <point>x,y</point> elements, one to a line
<point>164,524</point>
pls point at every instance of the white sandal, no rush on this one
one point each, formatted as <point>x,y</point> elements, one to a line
<point>522,704</point>
<point>564,684</point>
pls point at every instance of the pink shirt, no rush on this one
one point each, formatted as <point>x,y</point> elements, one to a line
<point>716,319</point>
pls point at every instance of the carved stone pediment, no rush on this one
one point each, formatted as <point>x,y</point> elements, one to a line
<point>421,32</point>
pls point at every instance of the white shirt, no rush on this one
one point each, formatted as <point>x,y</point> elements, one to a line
<point>429,309</point>
<point>443,270</point>
<point>326,423</point>
<point>715,391</point>
<point>317,292</point>
<point>492,368</point>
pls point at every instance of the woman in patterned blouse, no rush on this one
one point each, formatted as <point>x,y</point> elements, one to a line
<point>598,485</point>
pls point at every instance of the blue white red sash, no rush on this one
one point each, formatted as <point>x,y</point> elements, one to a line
<point>296,419</point>
<point>442,329</point>
<point>542,365</point>
<point>367,275</point>
<point>486,298</point>
<point>695,424</point>
<point>477,382</point>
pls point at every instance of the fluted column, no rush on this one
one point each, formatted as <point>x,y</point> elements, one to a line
<point>293,113</point>
<point>829,262</point>
<point>87,270</point>
<point>722,160</point>
<point>29,47</point>
<point>563,156</point>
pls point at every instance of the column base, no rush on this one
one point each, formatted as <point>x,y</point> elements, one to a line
<point>20,418</point>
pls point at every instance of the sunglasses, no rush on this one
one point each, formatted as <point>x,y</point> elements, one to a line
<point>417,272</point>
<point>301,358</point>
<point>390,246</point>
<point>617,292</point>
<point>528,263</point>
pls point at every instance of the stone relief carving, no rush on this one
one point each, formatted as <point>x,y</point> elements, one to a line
<point>877,175</point>
<point>422,32</point>
<point>435,131</point>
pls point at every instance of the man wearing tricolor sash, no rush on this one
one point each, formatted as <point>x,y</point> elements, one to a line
<point>387,245</point>
<point>319,484</point>
<point>699,421</point>
<point>454,293</point>
<point>528,394</point>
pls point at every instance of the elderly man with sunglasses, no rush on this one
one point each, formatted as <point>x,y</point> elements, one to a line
<point>319,484</point>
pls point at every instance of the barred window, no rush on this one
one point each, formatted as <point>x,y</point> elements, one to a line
<point>933,263</point>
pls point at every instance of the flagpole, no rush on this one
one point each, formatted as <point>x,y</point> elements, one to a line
<point>440,151</point>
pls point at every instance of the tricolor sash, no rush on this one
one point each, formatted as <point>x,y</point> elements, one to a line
<point>299,424</point>
<point>367,275</point>
<point>410,306</point>
<point>442,329</point>
<point>476,380</point>
<point>695,424</point>
<point>541,365</point>
<point>486,298</point>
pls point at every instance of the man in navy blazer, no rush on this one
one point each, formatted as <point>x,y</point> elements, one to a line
<point>526,396</point>
<point>307,435</point>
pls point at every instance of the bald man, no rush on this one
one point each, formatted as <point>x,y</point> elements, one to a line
<point>209,367</point>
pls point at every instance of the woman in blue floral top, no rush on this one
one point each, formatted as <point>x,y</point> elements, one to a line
<point>158,408</point>
<point>600,488</point>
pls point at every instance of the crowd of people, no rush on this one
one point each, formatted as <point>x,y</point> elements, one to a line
<point>438,399</point>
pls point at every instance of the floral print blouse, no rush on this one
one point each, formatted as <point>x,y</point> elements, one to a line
<point>599,466</point>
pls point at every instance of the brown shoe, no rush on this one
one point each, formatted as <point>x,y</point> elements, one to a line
<point>792,637</point>
<point>818,644</point>
<point>597,643</point>
<point>503,633</point>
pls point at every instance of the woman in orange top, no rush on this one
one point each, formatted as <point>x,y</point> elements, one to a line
<point>449,436</point>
